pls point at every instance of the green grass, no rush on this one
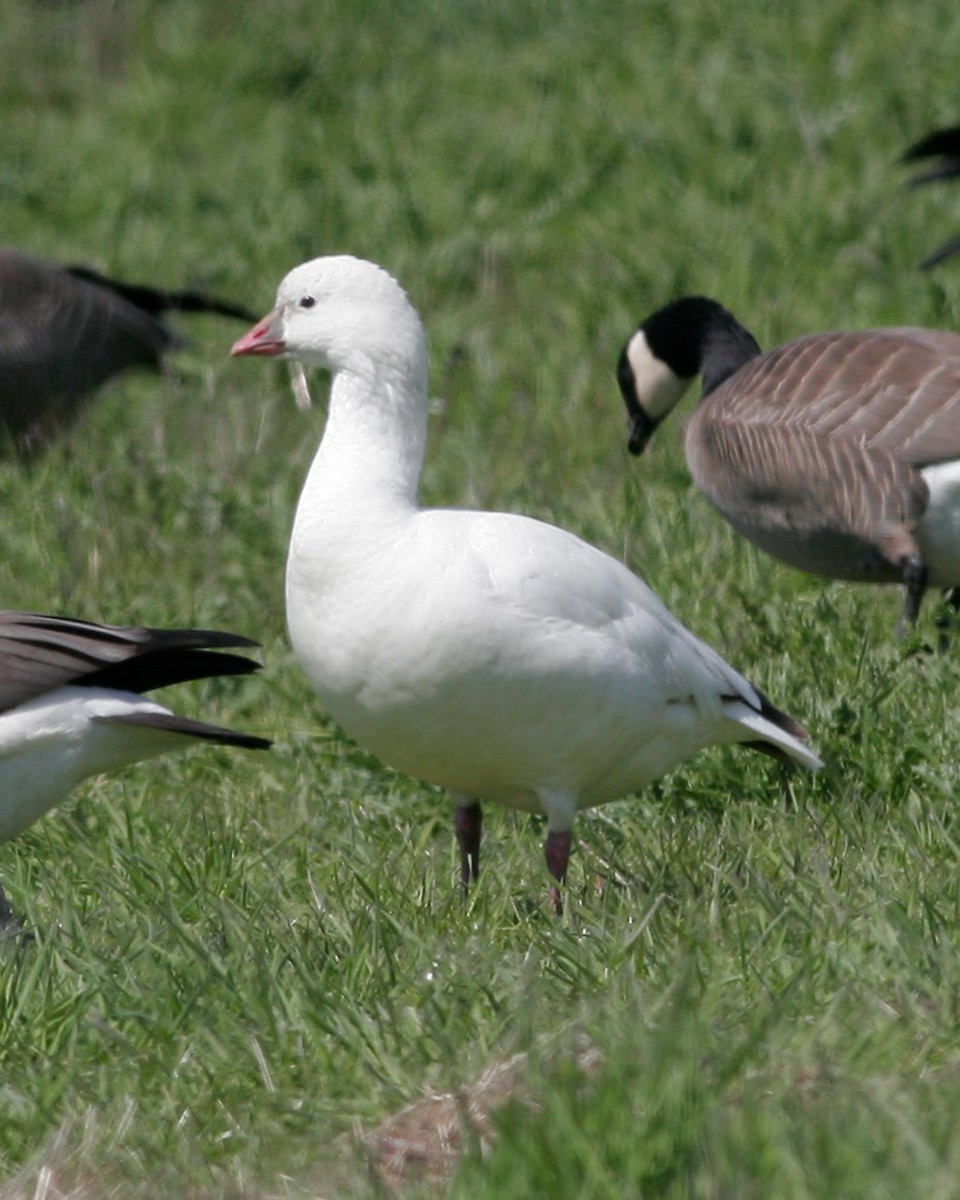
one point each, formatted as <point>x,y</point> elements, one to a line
<point>242,959</point>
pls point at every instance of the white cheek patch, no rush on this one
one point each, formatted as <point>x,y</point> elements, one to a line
<point>658,388</point>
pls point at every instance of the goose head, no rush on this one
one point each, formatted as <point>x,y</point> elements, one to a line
<point>692,336</point>
<point>343,314</point>
<point>650,386</point>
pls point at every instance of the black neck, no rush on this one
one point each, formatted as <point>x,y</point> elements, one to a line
<point>697,336</point>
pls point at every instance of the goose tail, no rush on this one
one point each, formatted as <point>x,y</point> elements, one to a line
<point>777,734</point>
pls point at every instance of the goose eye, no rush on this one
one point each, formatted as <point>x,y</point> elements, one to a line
<point>307,301</point>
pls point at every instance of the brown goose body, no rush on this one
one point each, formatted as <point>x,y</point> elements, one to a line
<point>837,453</point>
<point>66,331</point>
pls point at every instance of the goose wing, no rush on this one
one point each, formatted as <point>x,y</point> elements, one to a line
<point>787,478</point>
<point>607,619</point>
<point>65,331</point>
<point>550,576</point>
<point>63,335</point>
<point>895,390</point>
<point>40,653</point>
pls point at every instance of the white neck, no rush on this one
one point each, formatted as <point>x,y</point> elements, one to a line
<point>365,474</point>
<point>373,445</point>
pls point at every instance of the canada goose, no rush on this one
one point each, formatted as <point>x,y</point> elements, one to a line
<point>71,705</point>
<point>492,654</point>
<point>945,145</point>
<point>838,453</point>
<point>64,331</point>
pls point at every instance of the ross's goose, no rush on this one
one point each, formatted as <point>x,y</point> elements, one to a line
<point>497,656</point>
<point>65,331</point>
<point>71,704</point>
<point>838,453</point>
<point>942,144</point>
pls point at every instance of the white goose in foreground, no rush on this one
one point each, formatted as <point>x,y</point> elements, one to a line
<point>71,705</point>
<point>499,657</point>
<point>838,453</point>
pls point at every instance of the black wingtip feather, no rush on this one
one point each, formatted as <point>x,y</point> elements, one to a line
<point>162,668</point>
<point>946,251</point>
<point>776,716</point>
<point>943,143</point>
<point>781,719</point>
<point>39,653</point>
<point>171,723</point>
<point>157,300</point>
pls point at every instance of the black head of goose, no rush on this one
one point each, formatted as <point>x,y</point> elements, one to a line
<point>942,144</point>
<point>838,453</point>
<point>72,705</point>
<point>65,331</point>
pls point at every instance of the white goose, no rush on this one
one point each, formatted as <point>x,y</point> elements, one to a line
<point>492,654</point>
<point>71,705</point>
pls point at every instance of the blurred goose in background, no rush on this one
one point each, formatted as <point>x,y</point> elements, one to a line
<point>838,453</point>
<point>943,144</point>
<point>491,654</point>
<point>65,331</point>
<point>71,705</point>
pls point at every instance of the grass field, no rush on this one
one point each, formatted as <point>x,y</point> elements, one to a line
<point>252,975</point>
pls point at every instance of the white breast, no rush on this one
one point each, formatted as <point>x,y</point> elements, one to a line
<point>938,532</point>
<point>49,745</point>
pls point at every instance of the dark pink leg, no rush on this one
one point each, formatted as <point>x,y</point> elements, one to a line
<point>468,822</point>
<point>556,850</point>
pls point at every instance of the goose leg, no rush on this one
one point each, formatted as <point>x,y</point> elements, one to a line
<point>468,822</point>
<point>915,577</point>
<point>9,925</point>
<point>945,623</point>
<point>556,850</point>
<point>561,808</point>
